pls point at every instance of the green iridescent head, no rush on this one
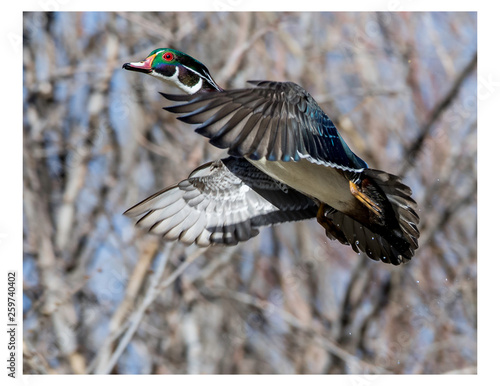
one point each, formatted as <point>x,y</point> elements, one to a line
<point>176,68</point>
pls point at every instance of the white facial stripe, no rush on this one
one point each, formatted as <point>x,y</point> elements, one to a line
<point>175,80</point>
<point>189,90</point>
<point>204,77</point>
<point>182,86</point>
<point>160,76</point>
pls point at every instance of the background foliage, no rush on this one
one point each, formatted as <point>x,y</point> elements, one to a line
<point>101,296</point>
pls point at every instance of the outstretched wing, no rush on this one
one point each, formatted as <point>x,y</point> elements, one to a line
<point>222,202</point>
<point>275,120</point>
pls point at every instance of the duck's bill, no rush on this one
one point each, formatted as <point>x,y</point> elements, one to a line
<point>144,66</point>
<point>138,66</point>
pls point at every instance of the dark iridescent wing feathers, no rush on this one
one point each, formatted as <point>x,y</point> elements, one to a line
<point>278,121</point>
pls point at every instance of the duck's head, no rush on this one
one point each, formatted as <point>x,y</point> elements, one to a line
<point>176,68</point>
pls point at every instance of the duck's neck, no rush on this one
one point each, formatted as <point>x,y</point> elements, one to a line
<point>195,83</point>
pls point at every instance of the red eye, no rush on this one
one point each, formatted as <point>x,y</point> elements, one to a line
<point>168,56</point>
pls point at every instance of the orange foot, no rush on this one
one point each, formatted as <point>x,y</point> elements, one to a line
<point>364,199</point>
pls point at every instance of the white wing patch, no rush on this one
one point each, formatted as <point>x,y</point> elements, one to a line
<point>214,205</point>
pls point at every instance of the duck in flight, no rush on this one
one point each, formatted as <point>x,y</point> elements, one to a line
<point>287,162</point>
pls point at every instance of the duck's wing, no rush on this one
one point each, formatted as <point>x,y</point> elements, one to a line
<point>222,202</point>
<point>275,120</point>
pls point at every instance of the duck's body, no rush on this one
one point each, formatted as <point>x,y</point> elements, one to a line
<point>277,131</point>
<point>326,180</point>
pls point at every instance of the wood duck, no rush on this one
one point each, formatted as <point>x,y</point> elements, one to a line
<point>287,162</point>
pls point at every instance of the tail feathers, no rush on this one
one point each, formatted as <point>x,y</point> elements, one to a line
<point>403,205</point>
<point>393,236</point>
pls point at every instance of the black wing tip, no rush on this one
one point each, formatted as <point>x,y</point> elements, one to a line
<point>175,109</point>
<point>170,109</point>
<point>175,97</point>
<point>261,83</point>
<point>395,258</point>
<point>129,211</point>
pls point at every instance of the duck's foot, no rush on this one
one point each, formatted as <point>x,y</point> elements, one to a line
<point>364,199</point>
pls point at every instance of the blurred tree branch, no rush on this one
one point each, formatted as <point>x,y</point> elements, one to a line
<point>413,150</point>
